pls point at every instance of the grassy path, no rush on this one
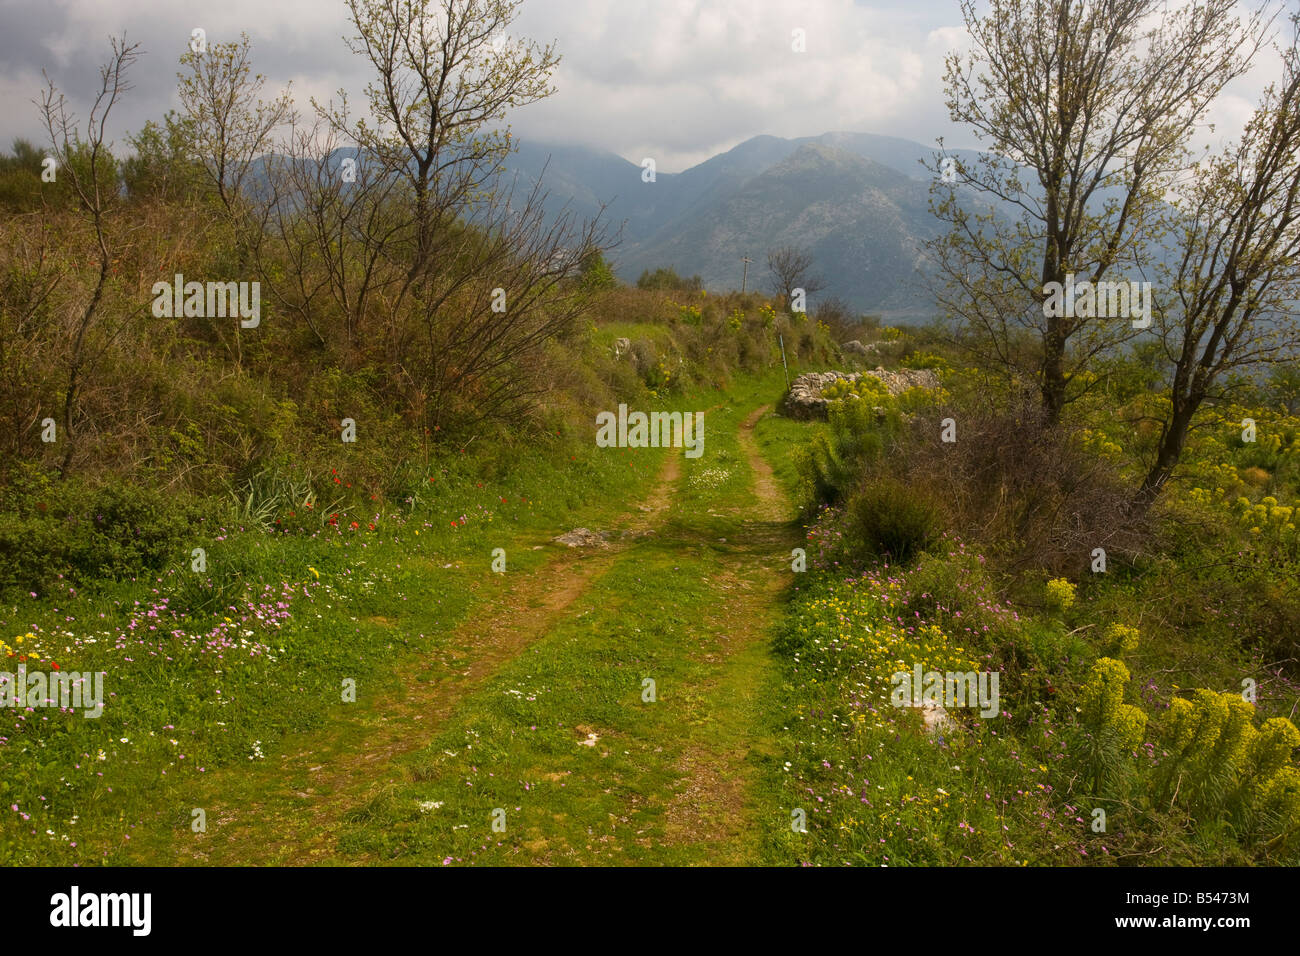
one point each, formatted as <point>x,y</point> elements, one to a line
<point>719,812</point>
<point>532,736</point>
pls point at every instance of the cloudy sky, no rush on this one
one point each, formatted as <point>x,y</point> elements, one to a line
<point>677,80</point>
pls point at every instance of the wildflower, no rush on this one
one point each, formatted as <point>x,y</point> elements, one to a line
<point>1121,639</point>
<point>1060,594</point>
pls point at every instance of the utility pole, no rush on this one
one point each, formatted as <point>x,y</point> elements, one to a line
<point>745,275</point>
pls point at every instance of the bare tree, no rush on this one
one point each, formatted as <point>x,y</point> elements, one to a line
<point>508,284</point>
<point>1086,108</point>
<point>422,251</point>
<point>336,218</point>
<point>88,166</point>
<point>1238,276</point>
<point>791,269</point>
<point>445,71</point>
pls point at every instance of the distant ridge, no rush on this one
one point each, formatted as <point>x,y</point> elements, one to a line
<point>857,201</point>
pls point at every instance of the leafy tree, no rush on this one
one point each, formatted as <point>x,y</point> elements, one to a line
<point>596,273</point>
<point>1284,386</point>
<point>1237,278</point>
<point>163,165</point>
<point>20,177</point>
<point>1086,108</point>
<point>226,120</point>
<point>665,278</point>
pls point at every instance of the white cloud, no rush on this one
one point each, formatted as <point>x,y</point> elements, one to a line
<point>679,80</point>
<point>683,80</point>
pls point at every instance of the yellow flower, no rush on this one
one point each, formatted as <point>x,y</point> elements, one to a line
<point>317,573</point>
<point>1060,593</point>
<point>1271,748</point>
<point>1104,692</point>
<point>1120,638</point>
<point>1131,722</point>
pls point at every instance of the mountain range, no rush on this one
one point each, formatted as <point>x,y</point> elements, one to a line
<point>857,202</point>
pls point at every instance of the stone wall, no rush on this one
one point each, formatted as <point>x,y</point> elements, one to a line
<point>804,400</point>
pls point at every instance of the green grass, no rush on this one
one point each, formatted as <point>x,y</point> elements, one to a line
<point>634,795</point>
<point>523,693</point>
<point>375,601</point>
<point>384,613</point>
<point>779,437</point>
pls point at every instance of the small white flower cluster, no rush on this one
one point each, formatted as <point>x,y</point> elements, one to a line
<point>709,478</point>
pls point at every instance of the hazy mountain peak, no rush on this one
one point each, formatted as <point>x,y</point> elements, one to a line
<point>856,201</point>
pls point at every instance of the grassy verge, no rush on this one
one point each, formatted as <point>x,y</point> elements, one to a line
<point>1097,751</point>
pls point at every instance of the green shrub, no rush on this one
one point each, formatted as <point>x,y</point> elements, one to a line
<point>889,519</point>
<point>920,360</point>
<point>76,530</point>
<point>596,274</point>
<point>861,430</point>
<point>667,279</point>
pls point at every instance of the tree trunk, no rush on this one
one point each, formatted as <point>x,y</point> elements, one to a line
<point>1171,449</point>
<point>1053,386</point>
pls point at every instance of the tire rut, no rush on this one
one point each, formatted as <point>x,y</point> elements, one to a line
<point>344,780</point>
<point>716,808</point>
